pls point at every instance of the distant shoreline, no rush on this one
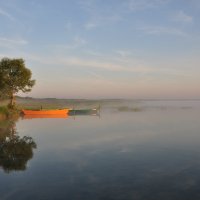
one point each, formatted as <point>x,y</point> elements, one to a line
<point>110,99</point>
<point>119,104</point>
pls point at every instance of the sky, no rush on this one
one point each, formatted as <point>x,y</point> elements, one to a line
<point>105,48</point>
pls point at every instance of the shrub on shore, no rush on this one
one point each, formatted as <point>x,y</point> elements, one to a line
<point>5,112</point>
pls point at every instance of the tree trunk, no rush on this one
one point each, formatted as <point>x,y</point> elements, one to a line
<point>12,100</point>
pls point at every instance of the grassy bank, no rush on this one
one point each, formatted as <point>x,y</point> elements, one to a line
<point>53,103</point>
<point>6,113</point>
<point>3,112</point>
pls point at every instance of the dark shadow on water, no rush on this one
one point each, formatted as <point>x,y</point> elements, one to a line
<point>15,151</point>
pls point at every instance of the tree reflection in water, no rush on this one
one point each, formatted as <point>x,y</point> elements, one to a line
<point>15,151</point>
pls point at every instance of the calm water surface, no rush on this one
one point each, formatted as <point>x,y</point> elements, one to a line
<point>152,154</point>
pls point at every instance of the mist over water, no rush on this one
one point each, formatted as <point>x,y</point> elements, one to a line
<point>132,150</point>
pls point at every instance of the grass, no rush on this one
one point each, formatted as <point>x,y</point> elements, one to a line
<point>3,110</point>
<point>30,103</point>
<point>6,113</point>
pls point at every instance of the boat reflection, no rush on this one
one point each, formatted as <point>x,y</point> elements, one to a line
<point>38,116</point>
<point>15,151</point>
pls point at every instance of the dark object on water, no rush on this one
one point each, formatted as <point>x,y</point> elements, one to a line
<point>73,112</point>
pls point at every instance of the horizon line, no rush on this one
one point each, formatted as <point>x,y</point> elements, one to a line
<point>138,99</point>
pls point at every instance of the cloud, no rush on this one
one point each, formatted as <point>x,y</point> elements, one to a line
<point>115,65</point>
<point>123,53</point>
<point>181,16</point>
<point>96,75</point>
<point>135,5</point>
<point>90,25</point>
<point>111,73</point>
<point>94,53</point>
<point>103,19</point>
<point>98,66</point>
<point>138,68</point>
<point>6,14</point>
<point>10,43</point>
<point>100,14</point>
<point>75,61</point>
<point>77,42</point>
<point>102,63</point>
<point>68,26</point>
<point>160,30</point>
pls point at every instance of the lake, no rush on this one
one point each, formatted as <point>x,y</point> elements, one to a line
<point>135,150</point>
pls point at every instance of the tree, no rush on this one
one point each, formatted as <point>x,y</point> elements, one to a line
<point>14,77</point>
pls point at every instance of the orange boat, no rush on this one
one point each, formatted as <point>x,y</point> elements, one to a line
<point>38,116</point>
<point>46,112</point>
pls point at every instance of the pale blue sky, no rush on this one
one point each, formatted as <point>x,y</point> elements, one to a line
<point>105,48</point>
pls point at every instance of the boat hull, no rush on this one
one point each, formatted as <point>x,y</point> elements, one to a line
<point>83,112</point>
<point>45,112</point>
<point>38,116</point>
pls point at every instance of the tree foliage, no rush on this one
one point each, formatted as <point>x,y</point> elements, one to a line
<point>14,77</point>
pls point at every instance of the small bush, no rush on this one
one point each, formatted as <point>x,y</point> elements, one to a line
<point>4,110</point>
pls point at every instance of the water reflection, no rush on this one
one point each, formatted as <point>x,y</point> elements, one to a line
<point>153,154</point>
<point>15,151</point>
